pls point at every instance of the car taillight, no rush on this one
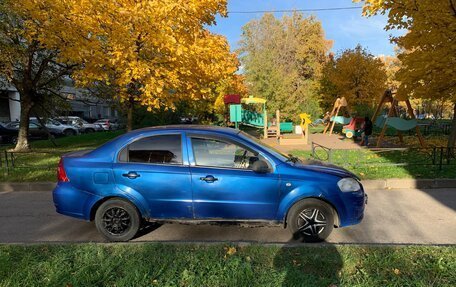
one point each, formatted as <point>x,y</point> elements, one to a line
<point>61,174</point>
<point>107,123</point>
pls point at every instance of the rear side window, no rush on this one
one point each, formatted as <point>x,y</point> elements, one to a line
<point>165,149</point>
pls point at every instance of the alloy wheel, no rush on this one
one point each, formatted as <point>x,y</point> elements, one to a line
<point>311,221</point>
<point>116,220</point>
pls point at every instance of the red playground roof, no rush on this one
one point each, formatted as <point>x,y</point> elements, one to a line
<point>232,99</point>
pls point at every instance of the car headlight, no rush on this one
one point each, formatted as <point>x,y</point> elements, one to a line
<point>348,184</point>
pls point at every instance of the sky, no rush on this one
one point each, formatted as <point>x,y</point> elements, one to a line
<point>346,28</point>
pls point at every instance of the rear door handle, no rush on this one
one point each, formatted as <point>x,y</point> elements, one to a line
<point>131,175</point>
<point>209,178</point>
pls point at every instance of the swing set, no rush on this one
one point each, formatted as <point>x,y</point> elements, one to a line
<point>392,119</point>
<point>334,116</point>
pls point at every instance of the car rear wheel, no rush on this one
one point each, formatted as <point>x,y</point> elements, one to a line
<point>117,220</point>
<point>69,132</point>
<point>311,219</point>
<point>89,130</point>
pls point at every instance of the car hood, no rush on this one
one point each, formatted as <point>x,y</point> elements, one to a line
<point>324,167</point>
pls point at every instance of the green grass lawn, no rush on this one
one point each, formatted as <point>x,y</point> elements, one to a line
<point>368,164</point>
<point>154,264</point>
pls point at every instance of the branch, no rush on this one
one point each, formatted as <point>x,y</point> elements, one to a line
<point>43,66</point>
<point>58,76</point>
<point>87,102</point>
<point>453,7</point>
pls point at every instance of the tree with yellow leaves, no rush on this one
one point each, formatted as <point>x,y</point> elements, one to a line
<point>428,48</point>
<point>26,65</point>
<point>153,52</point>
<point>356,75</point>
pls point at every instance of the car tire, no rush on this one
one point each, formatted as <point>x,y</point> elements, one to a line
<point>117,220</point>
<point>311,220</point>
<point>89,131</point>
<point>13,140</point>
<point>69,132</point>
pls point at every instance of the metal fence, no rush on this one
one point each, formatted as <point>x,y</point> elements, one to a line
<point>434,157</point>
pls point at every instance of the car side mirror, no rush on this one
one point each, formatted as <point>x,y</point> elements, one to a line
<point>260,166</point>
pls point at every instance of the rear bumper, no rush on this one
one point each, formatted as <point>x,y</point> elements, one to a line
<point>73,202</point>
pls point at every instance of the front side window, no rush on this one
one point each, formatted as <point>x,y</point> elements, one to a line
<point>219,153</point>
<point>165,149</point>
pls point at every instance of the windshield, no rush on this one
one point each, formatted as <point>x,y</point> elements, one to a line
<point>275,152</point>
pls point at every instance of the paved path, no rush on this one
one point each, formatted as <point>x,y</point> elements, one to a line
<point>392,216</point>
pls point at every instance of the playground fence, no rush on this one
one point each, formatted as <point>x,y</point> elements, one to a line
<point>435,157</point>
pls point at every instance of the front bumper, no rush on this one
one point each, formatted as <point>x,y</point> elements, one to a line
<point>355,203</point>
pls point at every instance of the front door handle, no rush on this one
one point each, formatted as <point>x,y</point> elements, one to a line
<point>209,178</point>
<point>131,175</point>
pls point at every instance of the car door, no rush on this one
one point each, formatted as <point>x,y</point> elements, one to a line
<point>224,185</point>
<point>157,168</point>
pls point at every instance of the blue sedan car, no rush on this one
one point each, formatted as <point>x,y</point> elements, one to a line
<point>203,174</point>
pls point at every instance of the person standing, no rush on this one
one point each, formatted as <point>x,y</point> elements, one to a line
<point>367,131</point>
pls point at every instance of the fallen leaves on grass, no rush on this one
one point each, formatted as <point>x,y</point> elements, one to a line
<point>230,251</point>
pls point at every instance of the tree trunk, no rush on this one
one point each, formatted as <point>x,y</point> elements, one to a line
<point>129,117</point>
<point>26,107</point>
<point>452,137</point>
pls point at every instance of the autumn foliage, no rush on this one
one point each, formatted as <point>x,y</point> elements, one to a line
<point>154,52</point>
<point>355,74</point>
<point>428,48</point>
<point>283,59</point>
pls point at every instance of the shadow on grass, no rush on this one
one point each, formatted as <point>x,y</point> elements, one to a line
<point>314,265</point>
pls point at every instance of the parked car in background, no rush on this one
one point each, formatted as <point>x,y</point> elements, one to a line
<point>108,124</point>
<point>82,125</point>
<point>56,128</point>
<point>196,174</point>
<point>9,132</point>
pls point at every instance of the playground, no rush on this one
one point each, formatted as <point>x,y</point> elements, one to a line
<point>400,145</point>
<point>339,131</point>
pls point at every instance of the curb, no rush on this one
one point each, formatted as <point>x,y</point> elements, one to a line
<point>392,183</point>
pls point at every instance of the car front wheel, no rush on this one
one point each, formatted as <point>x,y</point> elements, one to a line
<point>311,219</point>
<point>117,220</point>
